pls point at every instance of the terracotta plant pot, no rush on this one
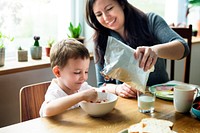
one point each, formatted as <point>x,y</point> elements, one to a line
<point>81,39</point>
<point>48,49</point>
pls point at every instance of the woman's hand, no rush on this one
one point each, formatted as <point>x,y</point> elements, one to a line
<point>125,91</point>
<point>148,57</point>
<point>90,95</point>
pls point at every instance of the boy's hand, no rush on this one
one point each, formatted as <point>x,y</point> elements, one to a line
<point>90,95</point>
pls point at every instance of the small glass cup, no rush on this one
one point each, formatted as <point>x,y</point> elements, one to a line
<point>146,101</point>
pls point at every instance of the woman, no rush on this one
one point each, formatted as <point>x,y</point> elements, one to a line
<point>148,33</point>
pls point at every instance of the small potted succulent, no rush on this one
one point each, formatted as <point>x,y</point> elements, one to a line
<point>22,54</point>
<point>2,47</point>
<point>75,32</point>
<point>49,45</point>
<point>36,49</point>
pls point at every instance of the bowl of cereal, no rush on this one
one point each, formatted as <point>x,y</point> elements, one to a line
<point>103,105</point>
<point>196,107</point>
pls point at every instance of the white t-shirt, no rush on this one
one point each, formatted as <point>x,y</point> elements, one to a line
<point>55,92</point>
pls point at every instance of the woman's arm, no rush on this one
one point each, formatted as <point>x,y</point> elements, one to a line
<point>170,45</point>
<point>172,50</point>
<point>123,90</point>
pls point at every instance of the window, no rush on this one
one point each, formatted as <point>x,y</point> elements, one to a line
<point>173,11</point>
<point>23,19</point>
<point>157,6</point>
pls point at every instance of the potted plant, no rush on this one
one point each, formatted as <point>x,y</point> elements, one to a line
<point>2,47</point>
<point>22,54</point>
<point>49,45</point>
<point>75,32</point>
<point>194,3</point>
<point>36,49</point>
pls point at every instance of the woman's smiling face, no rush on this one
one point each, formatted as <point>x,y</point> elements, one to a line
<point>109,14</point>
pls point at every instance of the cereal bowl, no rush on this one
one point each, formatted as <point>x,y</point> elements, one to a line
<point>104,104</point>
<point>196,107</point>
<point>196,110</point>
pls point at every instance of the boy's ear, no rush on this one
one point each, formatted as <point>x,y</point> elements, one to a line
<point>56,71</point>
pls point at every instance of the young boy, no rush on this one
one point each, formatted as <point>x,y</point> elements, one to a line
<point>70,63</point>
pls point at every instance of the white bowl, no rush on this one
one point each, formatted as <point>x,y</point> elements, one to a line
<point>99,109</point>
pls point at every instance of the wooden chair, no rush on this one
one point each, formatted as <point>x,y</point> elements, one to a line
<point>31,98</point>
<point>186,33</point>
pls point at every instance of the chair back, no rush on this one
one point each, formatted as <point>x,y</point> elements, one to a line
<point>31,98</point>
<point>186,33</point>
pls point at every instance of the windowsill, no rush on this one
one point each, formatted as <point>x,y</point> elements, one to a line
<point>13,66</point>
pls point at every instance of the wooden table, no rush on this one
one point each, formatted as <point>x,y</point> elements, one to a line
<point>125,114</point>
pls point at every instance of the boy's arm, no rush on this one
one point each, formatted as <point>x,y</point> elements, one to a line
<point>61,104</point>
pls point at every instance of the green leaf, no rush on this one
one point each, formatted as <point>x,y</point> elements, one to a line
<point>20,48</point>
<point>2,37</point>
<point>74,31</point>
<point>1,46</point>
<point>194,2</point>
<point>36,43</point>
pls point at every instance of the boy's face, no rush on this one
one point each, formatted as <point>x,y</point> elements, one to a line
<point>75,73</point>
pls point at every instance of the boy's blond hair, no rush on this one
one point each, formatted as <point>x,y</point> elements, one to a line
<point>67,49</point>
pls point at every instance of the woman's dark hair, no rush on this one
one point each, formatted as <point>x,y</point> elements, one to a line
<point>136,31</point>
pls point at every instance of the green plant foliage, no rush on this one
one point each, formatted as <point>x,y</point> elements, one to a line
<point>194,2</point>
<point>2,37</point>
<point>36,43</point>
<point>50,42</point>
<point>19,48</point>
<point>75,31</point>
